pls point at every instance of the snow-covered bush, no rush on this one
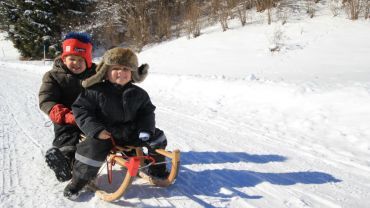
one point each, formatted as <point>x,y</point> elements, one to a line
<point>353,8</point>
<point>335,7</point>
<point>277,39</point>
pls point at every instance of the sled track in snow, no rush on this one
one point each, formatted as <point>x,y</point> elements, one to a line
<point>19,149</point>
<point>270,138</point>
<point>10,170</point>
<point>14,100</point>
<point>25,132</point>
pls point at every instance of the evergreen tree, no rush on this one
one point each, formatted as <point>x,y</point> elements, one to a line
<point>35,25</point>
<point>2,20</point>
<point>6,14</point>
<point>76,15</point>
<point>109,22</point>
<point>32,26</point>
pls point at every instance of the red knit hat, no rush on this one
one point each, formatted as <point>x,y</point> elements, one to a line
<point>78,44</point>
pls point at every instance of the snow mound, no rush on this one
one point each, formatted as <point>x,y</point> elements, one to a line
<point>7,51</point>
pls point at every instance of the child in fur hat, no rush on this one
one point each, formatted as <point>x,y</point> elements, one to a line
<point>59,89</point>
<point>114,110</point>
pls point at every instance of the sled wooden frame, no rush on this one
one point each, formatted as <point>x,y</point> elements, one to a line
<point>175,164</point>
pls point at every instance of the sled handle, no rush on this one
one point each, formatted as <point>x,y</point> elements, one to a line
<point>175,161</point>
<point>122,189</point>
<point>174,155</point>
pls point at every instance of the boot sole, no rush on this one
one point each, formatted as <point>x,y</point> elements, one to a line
<point>57,162</point>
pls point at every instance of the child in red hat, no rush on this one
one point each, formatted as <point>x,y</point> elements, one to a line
<point>60,88</point>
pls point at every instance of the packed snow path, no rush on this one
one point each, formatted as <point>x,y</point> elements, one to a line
<point>242,144</point>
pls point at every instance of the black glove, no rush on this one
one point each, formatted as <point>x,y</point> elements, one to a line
<point>158,140</point>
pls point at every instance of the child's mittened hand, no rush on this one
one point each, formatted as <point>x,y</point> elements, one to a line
<point>104,135</point>
<point>69,118</point>
<point>57,113</point>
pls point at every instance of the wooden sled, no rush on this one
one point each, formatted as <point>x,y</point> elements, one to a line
<point>133,166</point>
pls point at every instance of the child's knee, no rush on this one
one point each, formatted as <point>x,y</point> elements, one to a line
<point>93,151</point>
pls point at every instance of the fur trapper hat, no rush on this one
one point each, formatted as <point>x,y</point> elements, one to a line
<point>118,56</point>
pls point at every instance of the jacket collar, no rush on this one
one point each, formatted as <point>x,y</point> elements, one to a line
<point>118,87</point>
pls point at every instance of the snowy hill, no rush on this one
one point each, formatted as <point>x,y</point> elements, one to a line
<point>256,129</point>
<point>319,49</point>
<point>7,51</point>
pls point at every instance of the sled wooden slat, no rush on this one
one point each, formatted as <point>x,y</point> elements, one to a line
<point>121,190</point>
<point>175,164</point>
<point>171,155</point>
<point>175,156</point>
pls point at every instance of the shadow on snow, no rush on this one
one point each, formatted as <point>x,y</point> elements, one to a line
<point>226,157</point>
<point>220,183</point>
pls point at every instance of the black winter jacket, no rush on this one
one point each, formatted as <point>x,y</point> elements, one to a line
<point>61,86</point>
<point>123,111</point>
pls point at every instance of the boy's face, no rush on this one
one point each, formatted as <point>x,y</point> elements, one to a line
<point>76,64</point>
<point>118,74</point>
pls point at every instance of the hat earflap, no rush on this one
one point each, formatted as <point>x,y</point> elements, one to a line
<point>101,69</point>
<point>141,73</point>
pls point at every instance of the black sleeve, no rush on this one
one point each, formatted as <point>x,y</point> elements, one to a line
<point>84,109</point>
<point>145,116</point>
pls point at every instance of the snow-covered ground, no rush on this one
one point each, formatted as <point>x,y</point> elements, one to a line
<point>7,51</point>
<point>256,129</point>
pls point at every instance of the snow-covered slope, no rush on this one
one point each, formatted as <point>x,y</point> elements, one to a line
<point>256,129</point>
<point>322,49</point>
<point>7,51</point>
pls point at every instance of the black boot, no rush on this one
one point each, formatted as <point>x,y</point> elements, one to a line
<point>59,164</point>
<point>73,189</point>
<point>158,170</point>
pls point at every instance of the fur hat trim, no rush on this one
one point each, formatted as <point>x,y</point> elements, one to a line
<point>121,56</point>
<point>118,56</point>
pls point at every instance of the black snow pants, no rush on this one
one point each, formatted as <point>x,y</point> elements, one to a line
<point>66,139</point>
<point>92,152</point>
